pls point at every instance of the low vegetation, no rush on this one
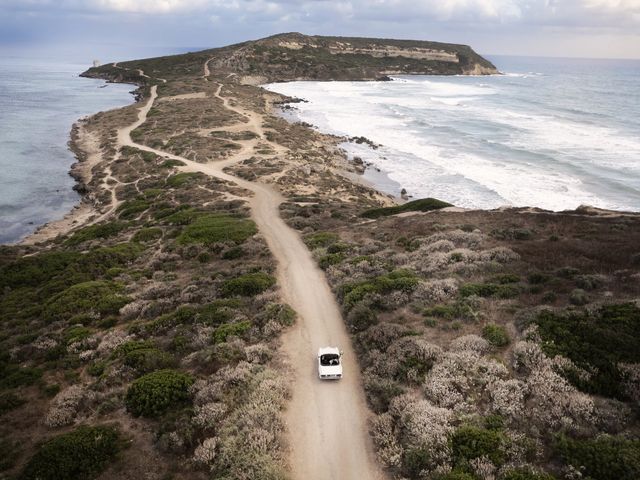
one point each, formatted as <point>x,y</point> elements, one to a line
<point>155,393</point>
<point>423,205</point>
<point>82,453</point>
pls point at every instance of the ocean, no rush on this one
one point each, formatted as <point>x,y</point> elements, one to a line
<point>39,102</point>
<point>549,133</point>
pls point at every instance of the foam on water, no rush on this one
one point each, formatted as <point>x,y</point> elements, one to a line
<point>546,139</point>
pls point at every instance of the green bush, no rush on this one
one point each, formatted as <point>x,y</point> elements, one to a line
<point>101,230</point>
<point>180,179</point>
<point>596,341</point>
<point>13,376</point>
<point>147,234</point>
<point>525,473</point>
<point>602,458</point>
<point>469,442</point>
<point>145,360</point>
<point>212,228</point>
<point>455,475</point>
<point>227,330</point>
<point>330,259</point>
<point>155,393</point>
<point>171,163</point>
<point>247,285</point>
<point>496,335</point>
<point>9,454</point>
<point>93,297</point>
<point>415,460</point>
<point>422,205</point>
<point>321,239</point>
<point>505,278</point>
<point>495,290</point>
<point>360,318</point>
<point>398,280</point>
<point>81,454</point>
<point>131,208</point>
<point>9,401</point>
<point>35,270</point>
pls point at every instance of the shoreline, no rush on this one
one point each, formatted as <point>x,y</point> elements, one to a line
<point>87,155</point>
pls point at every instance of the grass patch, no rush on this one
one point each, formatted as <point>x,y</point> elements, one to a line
<point>212,228</point>
<point>422,205</point>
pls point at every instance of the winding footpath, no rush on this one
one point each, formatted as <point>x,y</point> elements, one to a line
<point>326,421</point>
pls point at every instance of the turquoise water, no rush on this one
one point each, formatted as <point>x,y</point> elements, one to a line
<point>549,133</point>
<point>39,102</point>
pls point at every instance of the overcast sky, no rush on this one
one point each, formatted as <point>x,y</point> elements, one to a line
<point>120,29</point>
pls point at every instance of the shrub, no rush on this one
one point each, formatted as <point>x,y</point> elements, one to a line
<point>496,335</point>
<point>147,234</point>
<point>171,163</point>
<point>80,454</point>
<point>538,278</point>
<point>525,473</point>
<point>595,341</point>
<point>578,297</point>
<point>455,475</point>
<point>415,460</point>
<point>398,280</point>
<point>230,329</point>
<point>505,278</point>
<point>99,297</point>
<point>247,285</point>
<point>131,208</point>
<point>602,458</point>
<point>331,259</point>
<point>180,179</point>
<point>422,205</point>
<point>490,290</point>
<point>469,443</point>
<point>13,376</point>
<point>212,228</point>
<point>101,230</point>
<point>360,318</point>
<point>321,239</point>
<point>145,360</point>
<point>155,393</point>
<point>9,401</point>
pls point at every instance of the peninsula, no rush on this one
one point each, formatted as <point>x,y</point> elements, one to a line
<point>167,328</point>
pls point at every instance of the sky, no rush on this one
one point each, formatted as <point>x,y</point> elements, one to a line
<point>82,30</point>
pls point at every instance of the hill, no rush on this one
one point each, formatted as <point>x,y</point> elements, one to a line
<point>293,56</point>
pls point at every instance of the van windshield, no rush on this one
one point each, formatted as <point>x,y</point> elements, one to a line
<point>329,359</point>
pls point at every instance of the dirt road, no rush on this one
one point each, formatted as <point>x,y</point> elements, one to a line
<point>327,421</point>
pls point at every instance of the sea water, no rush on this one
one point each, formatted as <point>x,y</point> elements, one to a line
<point>549,133</point>
<point>39,102</point>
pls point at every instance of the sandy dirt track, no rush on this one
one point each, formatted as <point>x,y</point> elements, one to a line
<point>326,421</point>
